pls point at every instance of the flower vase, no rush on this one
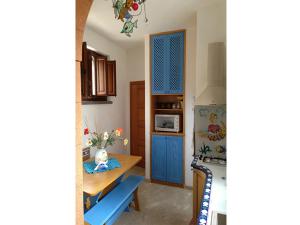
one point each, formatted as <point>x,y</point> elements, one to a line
<point>101,156</point>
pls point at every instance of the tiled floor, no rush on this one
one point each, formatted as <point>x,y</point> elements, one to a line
<point>159,204</point>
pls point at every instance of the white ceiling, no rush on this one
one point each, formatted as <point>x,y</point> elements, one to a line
<point>163,15</point>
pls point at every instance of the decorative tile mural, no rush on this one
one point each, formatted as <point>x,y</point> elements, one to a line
<point>210,131</point>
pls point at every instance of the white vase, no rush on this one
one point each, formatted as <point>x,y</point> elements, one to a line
<point>101,156</point>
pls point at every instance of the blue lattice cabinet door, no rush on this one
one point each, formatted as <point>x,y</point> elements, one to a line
<point>174,159</point>
<point>175,65</point>
<point>159,158</point>
<point>167,63</point>
<point>159,46</point>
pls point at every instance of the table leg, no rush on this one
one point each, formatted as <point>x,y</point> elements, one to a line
<point>136,200</point>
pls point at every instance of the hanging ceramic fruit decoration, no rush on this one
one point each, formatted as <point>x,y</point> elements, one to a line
<point>126,10</point>
<point>135,6</point>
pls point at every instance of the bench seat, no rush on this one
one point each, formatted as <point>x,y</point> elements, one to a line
<point>108,209</point>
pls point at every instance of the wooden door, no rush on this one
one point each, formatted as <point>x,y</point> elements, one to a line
<point>137,120</point>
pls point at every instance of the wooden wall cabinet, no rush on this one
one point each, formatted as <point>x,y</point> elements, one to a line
<point>98,76</point>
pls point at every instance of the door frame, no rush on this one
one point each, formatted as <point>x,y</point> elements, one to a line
<point>82,11</point>
<point>136,82</point>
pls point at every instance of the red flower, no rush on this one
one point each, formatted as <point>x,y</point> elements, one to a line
<point>120,130</point>
<point>86,131</point>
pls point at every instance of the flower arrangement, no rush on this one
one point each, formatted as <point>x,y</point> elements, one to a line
<point>105,139</point>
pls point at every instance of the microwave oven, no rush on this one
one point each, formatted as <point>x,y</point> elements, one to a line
<point>169,123</point>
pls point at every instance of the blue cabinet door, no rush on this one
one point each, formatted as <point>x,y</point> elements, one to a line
<point>174,159</point>
<point>159,158</point>
<point>167,63</point>
<point>159,54</point>
<point>175,63</point>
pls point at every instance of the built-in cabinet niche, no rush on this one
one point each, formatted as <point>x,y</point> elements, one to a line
<point>98,77</point>
<point>167,69</point>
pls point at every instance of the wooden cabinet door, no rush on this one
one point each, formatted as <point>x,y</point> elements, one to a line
<point>167,52</point>
<point>111,78</point>
<point>175,63</point>
<point>158,63</point>
<point>174,159</point>
<point>159,158</point>
<point>100,71</point>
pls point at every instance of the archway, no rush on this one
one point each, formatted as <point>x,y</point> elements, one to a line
<point>82,10</point>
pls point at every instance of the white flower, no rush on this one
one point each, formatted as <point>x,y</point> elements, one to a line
<point>105,136</point>
<point>118,133</point>
<point>89,142</point>
<point>125,141</point>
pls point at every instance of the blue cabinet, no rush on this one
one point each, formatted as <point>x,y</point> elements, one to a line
<point>174,159</point>
<point>167,67</point>
<point>159,157</point>
<point>167,158</point>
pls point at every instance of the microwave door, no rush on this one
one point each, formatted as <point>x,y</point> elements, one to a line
<point>166,123</point>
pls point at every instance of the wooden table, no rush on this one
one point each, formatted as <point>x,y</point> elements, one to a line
<point>99,182</point>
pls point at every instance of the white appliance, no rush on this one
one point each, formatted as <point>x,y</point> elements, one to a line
<point>170,123</point>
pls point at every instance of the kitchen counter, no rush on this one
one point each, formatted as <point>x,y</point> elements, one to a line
<point>216,200</point>
<point>218,189</point>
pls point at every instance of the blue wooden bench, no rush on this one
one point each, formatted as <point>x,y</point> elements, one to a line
<point>108,209</point>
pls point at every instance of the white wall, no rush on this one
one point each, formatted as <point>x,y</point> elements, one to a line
<point>135,72</point>
<point>130,67</point>
<point>147,107</point>
<point>107,117</point>
<point>211,27</point>
<point>189,93</point>
<point>136,63</point>
<point>189,98</point>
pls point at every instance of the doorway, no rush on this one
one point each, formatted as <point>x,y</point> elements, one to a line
<point>137,120</point>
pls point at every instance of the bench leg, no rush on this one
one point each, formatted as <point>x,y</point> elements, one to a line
<point>127,209</point>
<point>136,200</point>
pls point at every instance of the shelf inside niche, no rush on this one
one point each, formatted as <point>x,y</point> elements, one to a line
<point>95,102</point>
<point>174,110</point>
<point>168,133</point>
<point>163,104</point>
